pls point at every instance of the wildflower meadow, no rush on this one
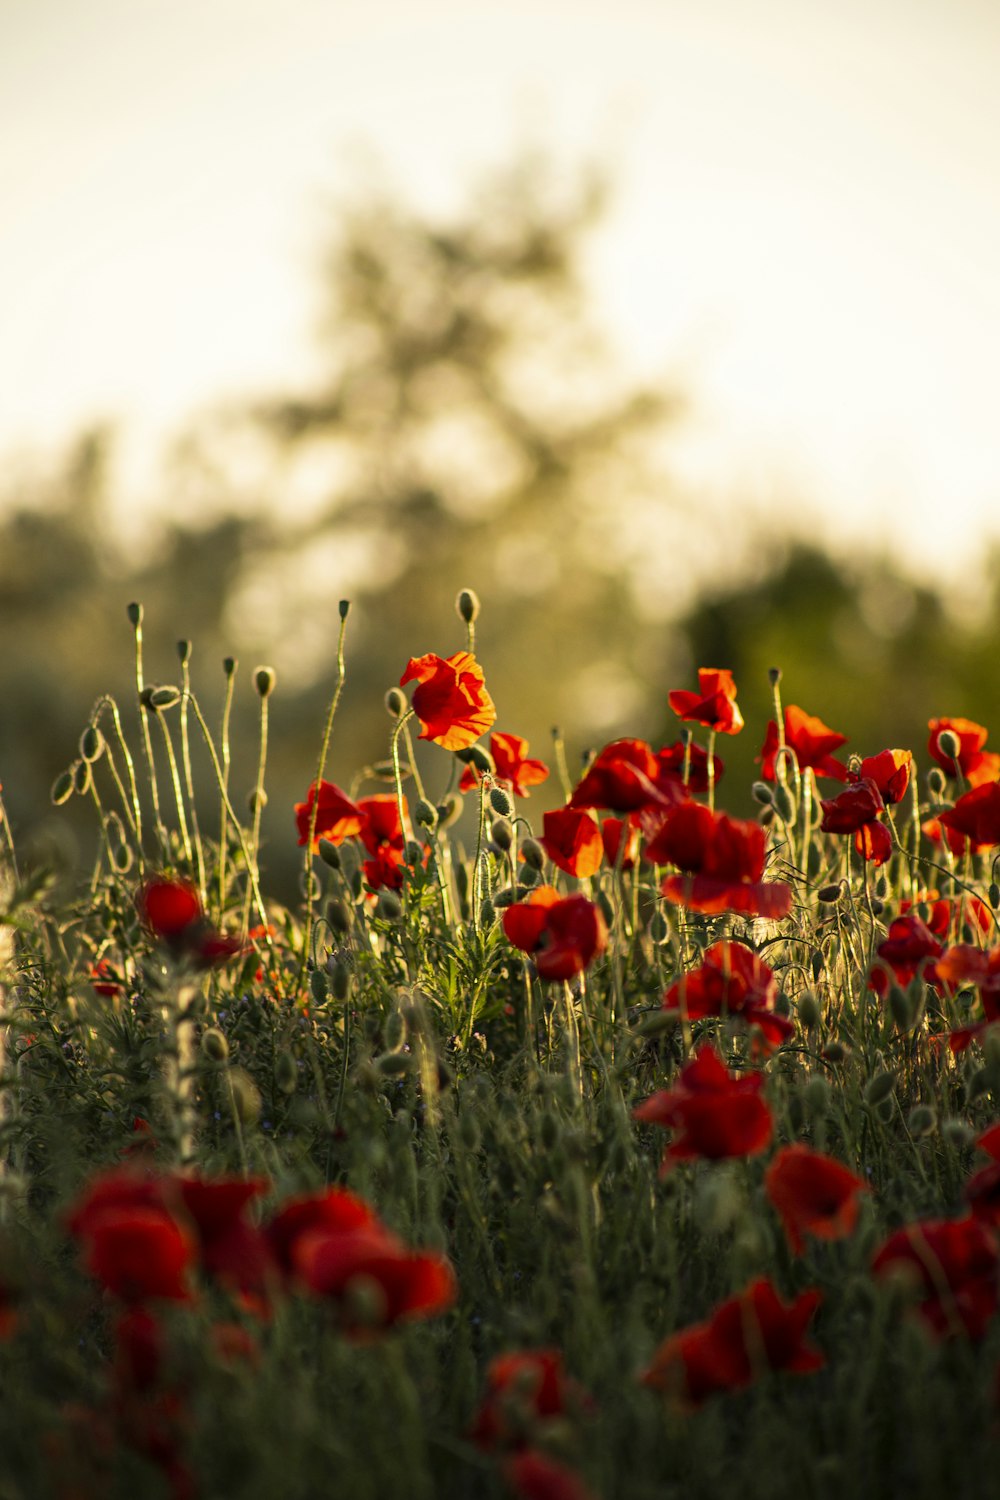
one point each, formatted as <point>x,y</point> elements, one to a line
<point>632,1149</point>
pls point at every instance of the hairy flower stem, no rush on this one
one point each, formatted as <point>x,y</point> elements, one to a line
<point>310,894</point>
<point>258,804</point>
<point>477,876</point>
<point>179,1065</point>
<point>250,866</point>
<point>230,666</point>
<point>710,770</point>
<point>189,778</point>
<point>574,1066</point>
<point>147,739</point>
<point>178,794</point>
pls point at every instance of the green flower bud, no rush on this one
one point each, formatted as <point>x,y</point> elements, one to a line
<point>762,793</point>
<point>264,679</point>
<point>329,854</point>
<point>879,1086</point>
<point>246,1096</point>
<point>480,760</point>
<point>366,1305</point>
<point>502,834</point>
<point>949,744</point>
<point>958,1132</point>
<point>81,777</point>
<point>533,854</point>
<point>229,665</point>
<point>286,1073</point>
<point>340,980</point>
<point>161,698</point>
<point>424,815</point>
<point>829,895</point>
<point>659,927</point>
<point>317,987</point>
<point>338,914</point>
<point>184,652</point>
<point>394,1064</point>
<point>389,907</point>
<point>449,811</point>
<point>774,675</point>
<point>935,781</point>
<point>922,1120</point>
<point>500,802</point>
<point>784,802</point>
<point>134,612</point>
<point>214,1045</point>
<point>467,605</point>
<point>835,1052</point>
<point>900,1007</point>
<point>809,1010</point>
<point>62,788</point>
<point>344,608</point>
<point>395,703</point>
<point>816,1095</point>
<point>994,895</point>
<point>92,744</point>
<point>394,1031</point>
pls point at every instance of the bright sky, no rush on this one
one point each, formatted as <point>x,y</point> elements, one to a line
<point>806,229</point>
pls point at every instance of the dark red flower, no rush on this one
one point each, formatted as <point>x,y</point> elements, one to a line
<point>232,1250</point>
<point>715,1114</point>
<point>977,815</point>
<point>624,777</point>
<point>572,840</point>
<point>856,810</point>
<point>964,963</point>
<point>982,1194</point>
<point>975,764</point>
<point>535,1476</point>
<point>384,837</point>
<point>811,739</point>
<point>947,914</point>
<point>909,949</point>
<point>813,1194</point>
<point>104,980</point>
<point>450,699</point>
<point>513,768</point>
<point>744,1338</point>
<point>335,1211</point>
<point>989,1142</point>
<point>714,704</point>
<point>140,1253</point>
<point>338,817</point>
<point>563,936</point>
<point>731,980</point>
<point>524,1389</point>
<point>671,763</point>
<point>171,910</point>
<point>723,859</point>
<point>890,771</point>
<point>613,830</point>
<point>953,1266</point>
<point>373,1278</point>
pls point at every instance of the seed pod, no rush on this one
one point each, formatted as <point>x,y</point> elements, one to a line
<point>344,608</point>
<point>879,1086</point>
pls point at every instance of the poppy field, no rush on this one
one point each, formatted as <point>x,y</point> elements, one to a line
<point>631,1149</point>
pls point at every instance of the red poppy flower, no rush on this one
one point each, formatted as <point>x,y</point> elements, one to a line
<point>813,1194</point>
<point>563,936</point>
<point>975,764</point>
<point>450,699</point>
<point>977,815</point>
<point>535,1476</point>
<point>370,1265</point>
<point>953,1266</point>
<point>139,1253</point>
<point>714,704</point>
<point>384,838</point>
<point>856,810</point>
<point>335,1211</point>
<point>513,769</point>
<point>671,765</point>
<point>746,1336</point>
<point>731,980</point>
<point>231,1250</point>
<point>890,771</point>
<point>964,963</point>
<point>338,817</point>
<point>613,830</point>
<point>724,859</point>
<point>947,913</point>
<point>626,776</point>
<point>171,910</point>
<point>811,739</point>
<point>982,1194</point>
<point>909,949</point>
<point>933,829</point>
<point>572,840</point>
<point>715,1115</point>
<point>102,978</point>
<point>523,1389</point>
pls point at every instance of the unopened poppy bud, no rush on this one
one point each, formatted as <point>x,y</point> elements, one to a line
<point>413,853</point>
<point>467,605</point>
<point>329,854</point>
<point>183,652</point>
<point>389,906</point>
<point>533,854</point>
<point>134,612</point>
<point>935,781</point>
<point>994,895</point>
<point>816,1095</point>
<point>365,1302</point>
<point>317,986</point>
<point>881,887</point>
<point>658,1021</point>
<point>921,1120</point>
<point>835,1052</point>
<point>81,777</point>
<point>500,802</point>
<point>229,665</point>
<point>659,927</point>
<point>394,1064</point>
<point>784,802</point>
<point>979,1084</point>
<point>338,914</point>
<point>161,698</point>
<point>384,770</point>
<point>344,608</point>
<point>502,834</point>
<point>62,788</point>
<point>479,759</point>
<point>829,895</point>
<point>256,798</point>
<point>877,906</point>
<point>958,1132</point>
<point>395,1030</point>
<point>449,811</point>
<point>774,675</point>
<point>424,815</point>
<point>809,1010</point>
<point>762,793</point>
<point>879,1086</point>
<point>214,1045</point>
<point>92,743</point>
<point>395,703</point>
<point>783,1003</point>
<point>900,1007</point>
<point>949,744</point>
<point>286,1073</point>
<point>264,679</point>
<point>246,1096</point>
<point>505,897</point>
<point>529,877</point>
<point>817,964</point>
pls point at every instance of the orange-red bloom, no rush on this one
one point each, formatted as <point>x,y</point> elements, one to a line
<point>384,838</point>
<point>563,936</point>
<point>890,771</point>
<point>723,859</point>
<point>171,910</point>
<point>671,763</point>
<point>715,1114</point>
<point>572,840</point>
<point>813,1194</point>
<point>811,739</point>
<point>714,704</point>
<point>533,1475</point>
<point>626,776</point>
<point>513,768</point>
<point>856,810</point>
<point>613,830</point>
<point>745,1337</point>
<point>953,1266</point>
<point>338,817</point>
<point>909,949</point>
<point>132,1243</point>
<point>398,1283</point>
<point>731,980</point>
<point>976,815</point>
<point>975,764</point>
<point>450,699</point>
<point>524,1389</point>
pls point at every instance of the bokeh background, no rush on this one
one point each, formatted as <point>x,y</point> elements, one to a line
<point>672,329</point>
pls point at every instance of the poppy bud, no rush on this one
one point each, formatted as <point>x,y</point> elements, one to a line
<point>394,1064</point>
<point>949,744</point>
<point>214,1045</point>
<point>500,802</point>
<point>817,964</point>
<point>424,815</point>
<point>502,834</point>
<point>979,1084</point>
<point>338,914</point>
<point>829,895</point>
<point>183,652</point>
<point>246,1096</point>
<point>229,665</point>
<point>264,679</point>
<point>505,897</point>
<point>62,788</point>
<point>479,759</point>
<point>384,770</point>
<point>134,612</point>
<point>529,877</point>
<point>761,792</point>
<point>389,907</point>
<point>900,1007</point>
<point>935,781</point>
<point>256,798</point>
<point>994,895</point>
<point>394,1031</point>
<point>81,777</point>
<point>881,887</point>
<point>879,1086</point>
<point>835,1052</point>
<point>317,986</point>
<point>413,852</point>
<point>286,1073</point>
<point>161,698</point>
<point>809,1009</point>
<point>395,703</point>
<point>344,608</point>
<point>816,1095</point>
<point>658,1021</point>
<point>784,802</point>
<point>92,743</point>
<point>922,1120</point>
<point>533,854</point>
<point>340,980</point>
<point>957,1132</point>
<point>877,906</point>
<point>467,605</point>
<point>329,854</point>
<point>659,927</point>
<point>449,811</point>
<point>774,675</point>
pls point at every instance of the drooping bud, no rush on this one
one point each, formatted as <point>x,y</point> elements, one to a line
<point>500,802</point>
<point>92,744</point>
<point>62,788</point>
<point>879,1086</point>
<point>949,744</point>
<point>161,698</point>
<point>338,913</point>
<point>809,1010</point>
<point>184,652</point>
<point>449,811</point>
<point>344,608</point>
<point>395,703</point>
<point>424,815</point>
<point>774,675</point>
<point>329,854</point>
<point>533,854</point>
<point>214,1045</point>
<point>502,834</point>
<point>286,1073</point>
<point>762,793</point>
